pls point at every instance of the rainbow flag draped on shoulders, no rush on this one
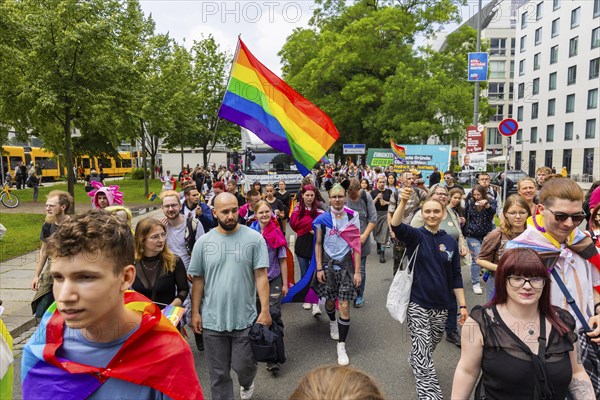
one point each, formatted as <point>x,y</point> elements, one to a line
<point>156,355</point>
<point>301,292</point>
<point>261,102</point>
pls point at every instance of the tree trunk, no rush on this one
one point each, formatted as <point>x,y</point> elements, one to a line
<point>144,164</point>
<point>69,158</point>
<point>205,157</point>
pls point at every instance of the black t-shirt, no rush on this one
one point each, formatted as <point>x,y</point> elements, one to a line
<point>47,231</point>
<point>434,178</point>
<point>387,194</point>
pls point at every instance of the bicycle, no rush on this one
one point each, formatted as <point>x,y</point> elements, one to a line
<point>7,198</point>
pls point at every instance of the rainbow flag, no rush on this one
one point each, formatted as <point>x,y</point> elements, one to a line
<point>399,152</point>
<point>173,313</point>
<point>260,101</point>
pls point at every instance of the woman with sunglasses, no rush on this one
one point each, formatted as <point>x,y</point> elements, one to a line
<point>515,213</point>
<point>160,275</point>
<point>520,342</point>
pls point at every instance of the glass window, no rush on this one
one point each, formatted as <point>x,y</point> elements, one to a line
<point>555,4</point>
<point>524,19</point>
<point>493,137</point>
<point>538,36</point>
<point>588,161</point>
<point>512,46</point>
<point>573,44</point>
<point>592,100</point>
<point>534,110</point>
<point>555,25</point>
<point>523,43</point>
<point>499,114</point>
<point>512,69</point>
<point>550,133</point>
<point>519,135</point>
<point>536,61</point>
<point>567,157</point>
<point>533,136</point>
<point>570,103</point>
<point>551,107</point>
<point>596,8</point>
<point>496,90</point>
<point>539,8</point>
<point>511,91</point>
<point>548,157</point>
<point>594,68</point>
<point>569,131</point>
<point>520,113</point>
<point>575,17</point>
<point>497,46</point>
<point>521,91</point>
<point>521,67</point>
<point>510,111</point>
<point>590,129</point>
<point>554,54</point>
<point>497,69</point>
<point>595,38</point>
<point>536,86</point>
<point>552,81</point>
<point>572,75</point>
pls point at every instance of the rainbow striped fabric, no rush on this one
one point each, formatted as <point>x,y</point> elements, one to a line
<point>399,151</point>
<point>260,101</point>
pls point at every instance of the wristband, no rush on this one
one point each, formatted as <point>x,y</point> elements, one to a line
<point>465,307</point>
<point>319,270</point>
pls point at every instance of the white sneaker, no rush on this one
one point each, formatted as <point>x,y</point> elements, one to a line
<point>477,289</point>
<point>307,306</point>
<point>342,356</point>
<point>246,394</point>
<point>316,310</point>
<point>333,330</point>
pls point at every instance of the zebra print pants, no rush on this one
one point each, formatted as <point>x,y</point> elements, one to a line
<point>426,328</point>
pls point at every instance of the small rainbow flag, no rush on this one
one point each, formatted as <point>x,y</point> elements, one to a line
<point>151,196</point>
<point>260,101</point>
<point>173,313</point>
<point>399,152</point>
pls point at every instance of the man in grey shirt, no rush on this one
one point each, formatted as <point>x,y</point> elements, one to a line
<point>361,202</point>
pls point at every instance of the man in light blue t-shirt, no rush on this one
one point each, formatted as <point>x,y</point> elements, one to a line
<point>229,266</point>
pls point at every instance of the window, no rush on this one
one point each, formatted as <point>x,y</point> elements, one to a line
<point>554,54</point>
<point>532,163</point>
<point>588,161</point>
<point>590,129</point>
<point>575,17</point>
<point>551,107</point>
<point>497,47</point>
<point>569,131</point>
<point>555,5</point>
<point>573,46</point>
<point>538,36</point>
<point>536,61</point>
<point>497,69</point>
<point>518,160</point>
<point>499,114</point>
<point>596,38</point>
<point>511,91</point>
<point>572,75</point>
<point>539,8</point>
<point>552,81</point>
<point>548,157</point>
<point>522,43</point>
<point>512,69</point>
<point>550,133</point>
<point>496,91</point>
<point>519,135</point>
<point>555,27</point>
<point>533,136</point>
<point>596,8</point>
<point>521,67</point>
<point>520,113</point>
<point>510,111</point>
<point>493,136</point>
<point>512,46</point>
<point>534,110</point>
<point>592,101</point>
<point>594,68</point>
<point>570,103</point>
<point>536,86</point>
<point>524,20</point>
<point>521,91</point>
<point>567,157</point>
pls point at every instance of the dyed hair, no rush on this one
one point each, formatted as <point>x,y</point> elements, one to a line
<point>95,232</point>
<point>313,207</point>
<point>116,209</point>
<point>592,223</point>
<point>336,188</point>
<point>560,188</point>
<point>337,382</point>
<point>513,200</point>
<point>142,230</point>
<point>527,263</point>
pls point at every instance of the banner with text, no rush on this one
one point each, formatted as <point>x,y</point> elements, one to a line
<point>475,140</point>
<point>422,157</point>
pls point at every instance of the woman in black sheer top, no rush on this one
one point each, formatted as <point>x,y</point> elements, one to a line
<point>520,342</point>
<point>160,275</point>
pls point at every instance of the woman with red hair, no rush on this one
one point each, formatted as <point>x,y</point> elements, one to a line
<point>520,342</point>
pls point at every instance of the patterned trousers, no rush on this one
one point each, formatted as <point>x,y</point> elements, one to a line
<point>426,328</point>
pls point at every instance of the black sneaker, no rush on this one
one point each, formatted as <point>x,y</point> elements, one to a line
<point>382,258</point>
<point>272,367</point>
<point>453,337</point>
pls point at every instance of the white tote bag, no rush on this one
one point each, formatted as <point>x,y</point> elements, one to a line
<point>399,294</point>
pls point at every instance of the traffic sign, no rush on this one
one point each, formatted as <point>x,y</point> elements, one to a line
<point>354,149</point>
<point>508,127</point>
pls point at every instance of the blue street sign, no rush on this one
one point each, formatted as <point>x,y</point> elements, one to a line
<point>508,127</point>
<point>354,149</point>
<point>477,67</point>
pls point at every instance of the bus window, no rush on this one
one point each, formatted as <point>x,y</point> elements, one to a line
<point>105,163</point>
<point>14,161</point>
<point>46,162</point>
<point>86,163</point>
<point>126,163</point>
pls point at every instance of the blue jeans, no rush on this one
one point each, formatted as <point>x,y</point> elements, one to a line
<point>303,263</point>
<point>474,247</point>
<point>490,287</point>
<point>363,276</point>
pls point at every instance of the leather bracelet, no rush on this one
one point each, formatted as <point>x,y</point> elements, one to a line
<point>462,307</point>
<point>319,270</point>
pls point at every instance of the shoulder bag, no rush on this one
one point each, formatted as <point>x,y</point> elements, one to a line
<point>399,295</point>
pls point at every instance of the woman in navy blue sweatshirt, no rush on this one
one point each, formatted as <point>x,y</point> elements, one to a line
<point>436,273</point>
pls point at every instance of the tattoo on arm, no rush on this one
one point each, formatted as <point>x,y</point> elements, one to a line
<point>581,389</point>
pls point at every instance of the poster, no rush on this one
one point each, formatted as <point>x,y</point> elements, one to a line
<point>422,157</point>
<point>475,139</point>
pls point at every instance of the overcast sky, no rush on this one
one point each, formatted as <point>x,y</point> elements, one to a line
<point>263,24</point>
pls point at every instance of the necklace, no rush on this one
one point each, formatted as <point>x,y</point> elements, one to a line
<point>530,324</point>
<point>150,268</point>
<point>337,213</point>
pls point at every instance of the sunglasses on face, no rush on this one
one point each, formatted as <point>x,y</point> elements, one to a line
<point>562,217</point>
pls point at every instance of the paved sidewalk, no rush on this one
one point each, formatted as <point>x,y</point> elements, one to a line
<point>15,280</point>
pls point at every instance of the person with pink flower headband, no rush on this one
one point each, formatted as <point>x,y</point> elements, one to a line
<point>105,196</point>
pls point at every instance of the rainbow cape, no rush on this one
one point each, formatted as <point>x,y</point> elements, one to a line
<point>399,151</point>
<point>275,239</point>
<point>258,100</point>
<point>155,355</point>
<point>301,292</point>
